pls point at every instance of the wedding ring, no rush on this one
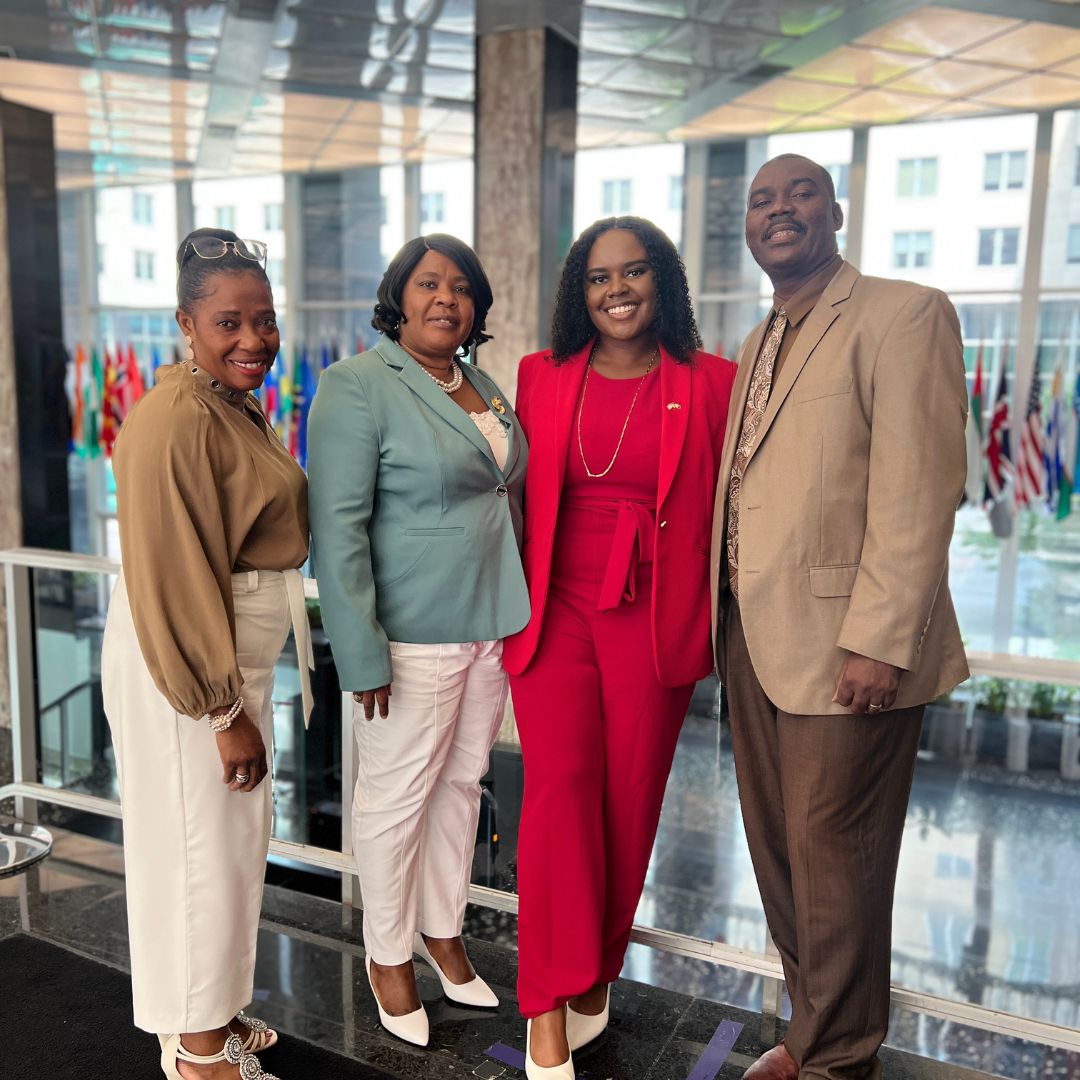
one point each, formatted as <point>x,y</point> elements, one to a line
<point>874,708</point>
<point>241,778</point>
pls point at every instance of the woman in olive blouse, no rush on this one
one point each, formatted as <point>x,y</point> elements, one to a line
<point>213,526</point>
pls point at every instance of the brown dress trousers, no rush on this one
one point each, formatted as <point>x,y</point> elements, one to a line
<point>824,800</point>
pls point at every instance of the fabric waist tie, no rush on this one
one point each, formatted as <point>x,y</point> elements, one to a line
<point>249,581</point>
<point>305,658</point>
<point>632,543</point>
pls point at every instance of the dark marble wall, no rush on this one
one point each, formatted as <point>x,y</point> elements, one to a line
<point>36,329</point>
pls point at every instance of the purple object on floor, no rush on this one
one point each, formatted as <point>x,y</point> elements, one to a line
<point>507,1055</point>
<point>716,1053</point>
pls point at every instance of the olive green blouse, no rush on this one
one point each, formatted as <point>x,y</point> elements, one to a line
<point>204,489</point>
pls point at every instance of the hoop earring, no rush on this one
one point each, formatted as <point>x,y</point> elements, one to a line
<point>190,348</point>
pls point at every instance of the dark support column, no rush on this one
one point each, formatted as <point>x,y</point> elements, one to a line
<point>34,445</point>
<point>526,122</point>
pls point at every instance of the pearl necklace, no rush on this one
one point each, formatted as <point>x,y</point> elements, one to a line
<point>446,387</point>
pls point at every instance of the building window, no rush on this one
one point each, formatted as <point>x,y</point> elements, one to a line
<point>998,247</point>
<point>1072,249</point>
<point>275,271</point>
<point>912,250</point>
<point>272,217</point>
<point>142,208</point>
<point>675,193</point>
<point>917,176</point>
<point>616,197</point>
<point>432,208</point>
<point>1005,171</point>
<point>144,265</point>
<point>839,174</point>
<point>225,218</point>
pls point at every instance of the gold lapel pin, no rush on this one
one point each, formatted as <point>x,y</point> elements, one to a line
<point>673,405</point>
<point>497,405</point>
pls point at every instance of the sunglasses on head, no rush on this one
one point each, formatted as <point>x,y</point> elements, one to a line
<point>212,247</point>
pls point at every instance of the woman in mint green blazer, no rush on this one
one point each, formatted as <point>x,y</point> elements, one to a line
<point>416,467</point>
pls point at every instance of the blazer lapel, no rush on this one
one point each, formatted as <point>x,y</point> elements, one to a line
<point>675,389</point>
<point>569,376</point>
<point>817,323</point>
<point>423,386</point>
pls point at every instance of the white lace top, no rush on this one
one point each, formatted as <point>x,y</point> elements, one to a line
<point>492,430</point>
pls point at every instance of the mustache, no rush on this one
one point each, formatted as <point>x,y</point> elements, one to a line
<point>785,223</point>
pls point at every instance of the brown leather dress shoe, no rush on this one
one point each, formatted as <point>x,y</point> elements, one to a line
<point>777,1064</point>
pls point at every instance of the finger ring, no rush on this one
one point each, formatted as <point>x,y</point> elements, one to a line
<point>241,778</point>
<point>874,708</point>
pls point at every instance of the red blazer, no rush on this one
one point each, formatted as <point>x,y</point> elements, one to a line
<point>691,443</point>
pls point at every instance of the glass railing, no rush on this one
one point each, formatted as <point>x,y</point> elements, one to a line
<point>988,893</point>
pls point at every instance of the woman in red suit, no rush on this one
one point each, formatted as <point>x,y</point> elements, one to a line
<point>625,419</point>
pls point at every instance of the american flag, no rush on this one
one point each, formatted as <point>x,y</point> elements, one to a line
<point>1031,459</point>
<point>998,452</point>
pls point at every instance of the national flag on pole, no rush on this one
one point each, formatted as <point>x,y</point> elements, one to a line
<point>78,435</point>
<point>110,404</point>
<point>1052,443</point>
<point>133,386</point>
<point>1031,481</point>
<point>305,394</point>
<point>269,394</point>
<point>95,389</point>
<point>324,357</point>
<point>974,488</point>
<point>1070,455</point>
<point>155,360</point>
<point>998,451</point>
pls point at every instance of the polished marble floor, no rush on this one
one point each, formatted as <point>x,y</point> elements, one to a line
<point>310,983</point>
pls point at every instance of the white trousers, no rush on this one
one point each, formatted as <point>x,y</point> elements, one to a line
<point>194,851</point>
<point>417,797</point>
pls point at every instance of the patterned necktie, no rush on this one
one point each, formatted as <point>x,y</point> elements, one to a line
<point>756,401</point>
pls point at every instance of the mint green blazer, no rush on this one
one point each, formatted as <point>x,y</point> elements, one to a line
<point>416,531</point>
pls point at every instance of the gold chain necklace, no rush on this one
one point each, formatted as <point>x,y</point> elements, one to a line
<point>626,422</point>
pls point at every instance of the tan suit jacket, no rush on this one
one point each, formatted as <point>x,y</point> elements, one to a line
<point>849,496</point>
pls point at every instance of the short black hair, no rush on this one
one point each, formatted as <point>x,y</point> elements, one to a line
<point>388,311</point>
<point>674,324</point>
<point>194,275</point>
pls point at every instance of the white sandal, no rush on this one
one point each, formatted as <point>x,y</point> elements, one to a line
<point>233,1052</point>
<point>261,1036</point>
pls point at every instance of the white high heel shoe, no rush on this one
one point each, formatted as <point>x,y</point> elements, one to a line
<point>410,1028</point>
<point>172,1051</point>
<point>565,1071</point>
<point>475,993</point>
<point>581,1028</point>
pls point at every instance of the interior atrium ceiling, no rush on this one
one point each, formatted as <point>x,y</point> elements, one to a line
<point>147,90</point>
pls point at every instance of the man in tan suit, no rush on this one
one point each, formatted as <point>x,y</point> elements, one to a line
<point>843,465</point>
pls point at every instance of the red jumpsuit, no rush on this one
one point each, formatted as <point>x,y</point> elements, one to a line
<point>598,730</point>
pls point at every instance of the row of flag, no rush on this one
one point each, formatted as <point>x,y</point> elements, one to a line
<point>1041,473</point>
<point>105,384</point>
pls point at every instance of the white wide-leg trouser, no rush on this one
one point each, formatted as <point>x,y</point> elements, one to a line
<point>194,851</point>
<point>417,797</point>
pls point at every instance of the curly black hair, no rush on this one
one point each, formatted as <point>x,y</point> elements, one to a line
<point>388,312</point>
<point>674,324</point>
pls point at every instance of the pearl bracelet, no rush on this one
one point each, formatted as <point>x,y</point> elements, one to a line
<point>224,721</point>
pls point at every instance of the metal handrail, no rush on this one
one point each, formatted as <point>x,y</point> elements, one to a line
<point>1001,665</point>
<point>756,963</point>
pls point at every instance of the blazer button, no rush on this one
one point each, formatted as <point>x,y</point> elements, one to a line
<point>663,524</point>
<point>501,490</point>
